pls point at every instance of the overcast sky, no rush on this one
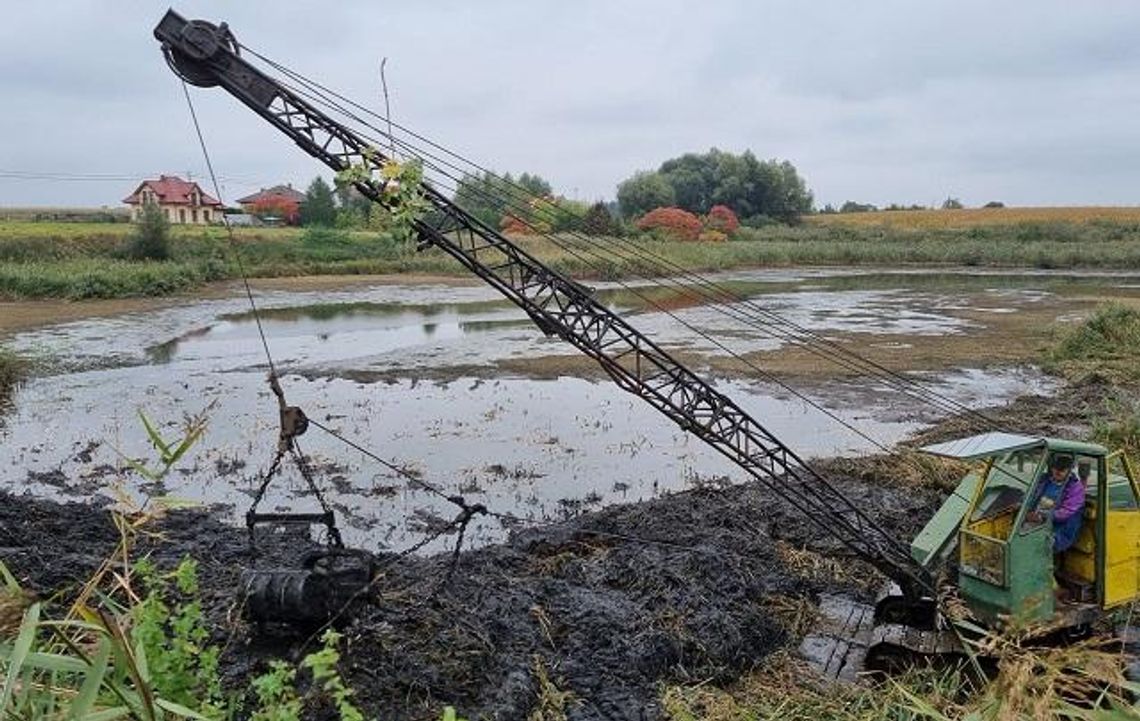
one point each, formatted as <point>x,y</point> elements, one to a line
<point>1030,103</point>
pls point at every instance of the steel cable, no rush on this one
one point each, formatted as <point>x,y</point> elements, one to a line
<point>843,356</point>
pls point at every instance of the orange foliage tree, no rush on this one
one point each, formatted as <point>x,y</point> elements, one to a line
<point>288,210</point>
<point>722,218</point>
<point>673,223</point>
<point>530,220</point>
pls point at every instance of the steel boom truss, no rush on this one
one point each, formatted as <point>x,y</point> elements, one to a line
<point>206,55</point>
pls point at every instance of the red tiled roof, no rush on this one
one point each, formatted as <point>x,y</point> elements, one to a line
<point>171,190</point>
<point>277,191</point>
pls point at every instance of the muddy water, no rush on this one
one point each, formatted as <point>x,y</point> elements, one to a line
<point>417,374</point>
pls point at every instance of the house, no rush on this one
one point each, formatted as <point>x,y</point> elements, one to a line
<point>279,202</point>
<point>182,201</point>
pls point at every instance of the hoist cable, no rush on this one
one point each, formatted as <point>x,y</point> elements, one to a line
<point>719,344</point>
<point>843,356</point>
<point>325,92</point>
<point>229,231</point>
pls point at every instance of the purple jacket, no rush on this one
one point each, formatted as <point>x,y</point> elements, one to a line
<point>1068,509</point>
<point>1072,499</point>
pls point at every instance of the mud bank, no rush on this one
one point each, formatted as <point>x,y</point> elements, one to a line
<point>608,606</point>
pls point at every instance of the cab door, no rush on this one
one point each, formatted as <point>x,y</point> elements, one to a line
<point>1119,526</point>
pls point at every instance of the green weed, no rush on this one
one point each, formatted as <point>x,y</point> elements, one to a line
<point>14,368</point>
<point>1107,344</point>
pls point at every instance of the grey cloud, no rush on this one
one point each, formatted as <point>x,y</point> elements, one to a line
<point>888,101</point>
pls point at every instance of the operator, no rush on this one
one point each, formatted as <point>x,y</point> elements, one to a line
<point>1060,491</point>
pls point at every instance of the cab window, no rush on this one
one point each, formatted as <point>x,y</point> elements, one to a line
<point>1121,492</point>
<point>1003,492</point>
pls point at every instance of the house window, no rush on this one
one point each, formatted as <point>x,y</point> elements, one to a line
<point>194,216</point>
<point>170,214</point>
<point>181,215</point>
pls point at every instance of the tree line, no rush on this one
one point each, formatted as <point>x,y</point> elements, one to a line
<point>850,206</point>
<point>758,192</point>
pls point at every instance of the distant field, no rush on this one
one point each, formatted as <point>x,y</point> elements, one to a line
<point>103,215</point>
<point>76,231</point>
<point>88,260</point>
<point>972,217</point>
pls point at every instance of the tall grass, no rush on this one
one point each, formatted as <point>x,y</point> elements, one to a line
<point>1083,682</point>
<point>1106,344</point>
<point>78,260</point>
<point>14,369</point>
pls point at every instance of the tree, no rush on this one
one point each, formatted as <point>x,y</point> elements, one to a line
<point>151,240</point>
<point>490,197</point>
<point>482,195</point>
<point>353,208</point>
<point>696,182</point>
<point>952,204</point>
<point>994,204</point>
<point>534,185</point>
<point>319,205</point>
<point>644,192</point>
<point>598,221</point>
<point>851,206</point>
<point>276,207</point>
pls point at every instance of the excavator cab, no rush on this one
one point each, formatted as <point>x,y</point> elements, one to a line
<point>1007,568</point>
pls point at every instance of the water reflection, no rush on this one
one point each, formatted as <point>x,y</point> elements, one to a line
<point>376,327</point>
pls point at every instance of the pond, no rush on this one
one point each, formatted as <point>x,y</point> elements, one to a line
<point>459,388</point>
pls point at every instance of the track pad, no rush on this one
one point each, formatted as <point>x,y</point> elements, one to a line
<point>837,646</point>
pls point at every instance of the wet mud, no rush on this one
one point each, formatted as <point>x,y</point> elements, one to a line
<point>607,606</point>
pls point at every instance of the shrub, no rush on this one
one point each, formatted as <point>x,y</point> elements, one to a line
<point>514,225</point>
<point>712,236</point>
<point>319,235</point>
<point>672,223</point>
<point>151,240</point>
<point>721,218</point>
<point>538,217</point>
<point>759,221</point>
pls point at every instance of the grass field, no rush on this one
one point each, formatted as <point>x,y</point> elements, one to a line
<point>88,260</point>
<point>972,217</point>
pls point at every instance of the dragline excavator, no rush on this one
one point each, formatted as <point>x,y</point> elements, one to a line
<point>1003,542</point>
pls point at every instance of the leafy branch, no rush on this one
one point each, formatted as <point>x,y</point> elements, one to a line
<point>399,185</point>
